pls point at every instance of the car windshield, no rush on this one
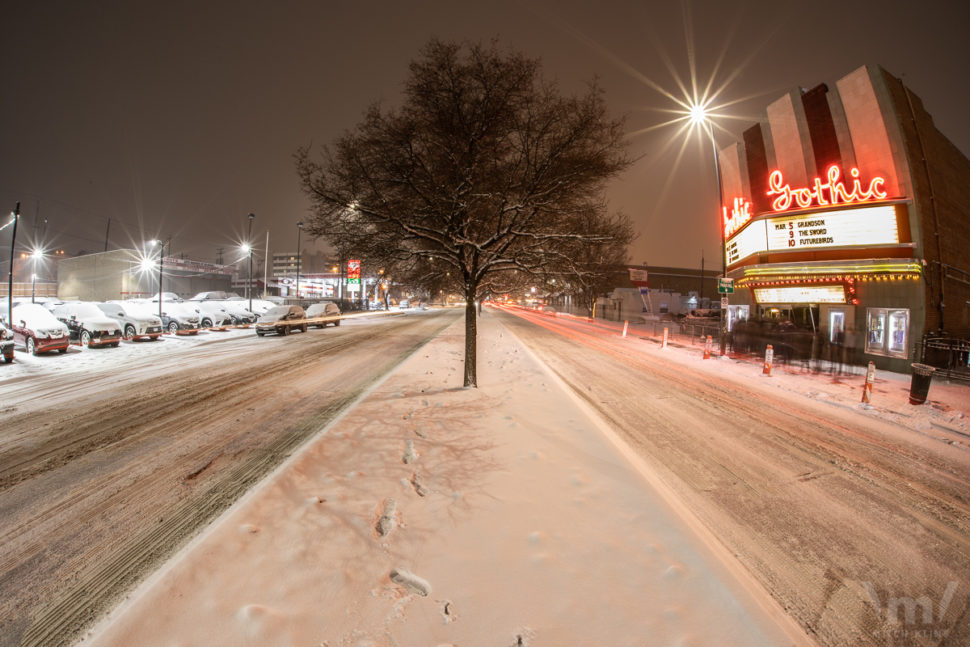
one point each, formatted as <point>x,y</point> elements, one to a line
<point>277,312</point>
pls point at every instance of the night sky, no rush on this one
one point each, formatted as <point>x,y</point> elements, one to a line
<point>177,119</point>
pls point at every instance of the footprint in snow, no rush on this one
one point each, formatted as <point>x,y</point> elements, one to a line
<point>410,581</point>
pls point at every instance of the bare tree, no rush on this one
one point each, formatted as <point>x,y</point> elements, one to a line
<point>478,176</point>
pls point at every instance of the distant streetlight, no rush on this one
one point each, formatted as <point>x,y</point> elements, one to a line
<point>299,230</point>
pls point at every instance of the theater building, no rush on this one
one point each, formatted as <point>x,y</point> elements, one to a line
<point>846,210</point>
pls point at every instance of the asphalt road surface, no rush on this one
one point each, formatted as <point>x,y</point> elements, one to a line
<point>849,521</point>
<point>105,473</point>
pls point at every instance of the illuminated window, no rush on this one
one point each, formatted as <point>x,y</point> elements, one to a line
<point>887,332</point>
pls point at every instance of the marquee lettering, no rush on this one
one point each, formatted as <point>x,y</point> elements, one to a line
<point>833,191</point>
<point>740,214</point>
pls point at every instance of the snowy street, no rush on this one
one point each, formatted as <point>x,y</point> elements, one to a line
<point>834,508</point>
<point>111,458</point>
<point>594,490</point>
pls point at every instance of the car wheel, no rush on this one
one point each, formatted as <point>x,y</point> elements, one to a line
<point>260,333</point>
<point>337,322</point>
<point>173,327</point>
<point>284,331</point>
<point>62,350</point>
<point>30,346</point>
<point>86,338</point>
<point>115,344</point>
<point>305,327</point>
<point>206,323</point>
<point>129,332</point>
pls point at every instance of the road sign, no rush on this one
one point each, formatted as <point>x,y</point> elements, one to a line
<point>725,286</point>
<point>724,303</point>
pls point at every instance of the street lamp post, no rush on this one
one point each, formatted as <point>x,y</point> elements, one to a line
<point>717,173</point>
<point>299,230</point>
<point>699,116</point>
<point>249,245</point>
<point>35,256</point>
<point>161,256</point>
<point>13,240</point>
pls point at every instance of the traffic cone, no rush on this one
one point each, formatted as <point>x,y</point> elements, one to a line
<point>769,355</point>
<point>707,347</point>
<point>867,387</point>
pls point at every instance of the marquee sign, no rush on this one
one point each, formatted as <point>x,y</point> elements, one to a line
<point>823,194</point>
<point>801,294</point>
<point>866,226</point>
<point>740,214</point>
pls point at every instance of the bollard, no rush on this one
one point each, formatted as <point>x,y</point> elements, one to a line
<point>867,387</point>
<point>626,324</point>
<point>769,355</point>
<point>663,344</point>
<point>707,347</point>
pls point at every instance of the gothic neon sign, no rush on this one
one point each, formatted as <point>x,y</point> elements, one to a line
<point>833,191</point>
<point>740,214</point>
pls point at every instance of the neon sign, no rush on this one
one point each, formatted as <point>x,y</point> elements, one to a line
<point>740,214</point>
<point>833,191</point>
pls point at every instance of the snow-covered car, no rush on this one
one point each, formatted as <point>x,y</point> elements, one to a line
<point>36,328</point>
<point>234,305</point>
<point>323,313</point>
<point>88,325</point>
<point>282,320</point>
<point>6,343</point>
<point>211,313</point>
<point>135,324</point>
<point>176,317</point>
<point>240,314</point>
<point>260,306</point>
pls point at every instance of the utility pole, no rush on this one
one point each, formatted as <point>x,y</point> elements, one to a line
<point>13,239</point>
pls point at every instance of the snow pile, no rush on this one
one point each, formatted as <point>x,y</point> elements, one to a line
<point>434,515</point>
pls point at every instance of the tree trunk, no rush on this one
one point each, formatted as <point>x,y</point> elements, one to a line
<point>471,336</point>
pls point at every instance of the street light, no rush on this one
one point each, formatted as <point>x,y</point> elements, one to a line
<point>161,255</point>
<point>699,117</point>
<point>299,230</point>
<point>35,256</point>
<point>13,239</point>
<point>249,248</point>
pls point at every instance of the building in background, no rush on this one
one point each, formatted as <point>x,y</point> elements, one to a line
<point>123,274</point>
<point>845,210</point>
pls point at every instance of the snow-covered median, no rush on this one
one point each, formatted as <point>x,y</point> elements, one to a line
<point>435,515</point>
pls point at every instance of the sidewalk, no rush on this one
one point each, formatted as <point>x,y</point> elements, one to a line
<point>946,410</point>
<point>434,515</point>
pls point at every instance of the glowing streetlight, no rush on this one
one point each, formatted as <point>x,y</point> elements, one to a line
<point>699,117</point>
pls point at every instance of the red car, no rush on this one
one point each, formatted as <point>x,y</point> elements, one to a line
<point>38,330</point>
